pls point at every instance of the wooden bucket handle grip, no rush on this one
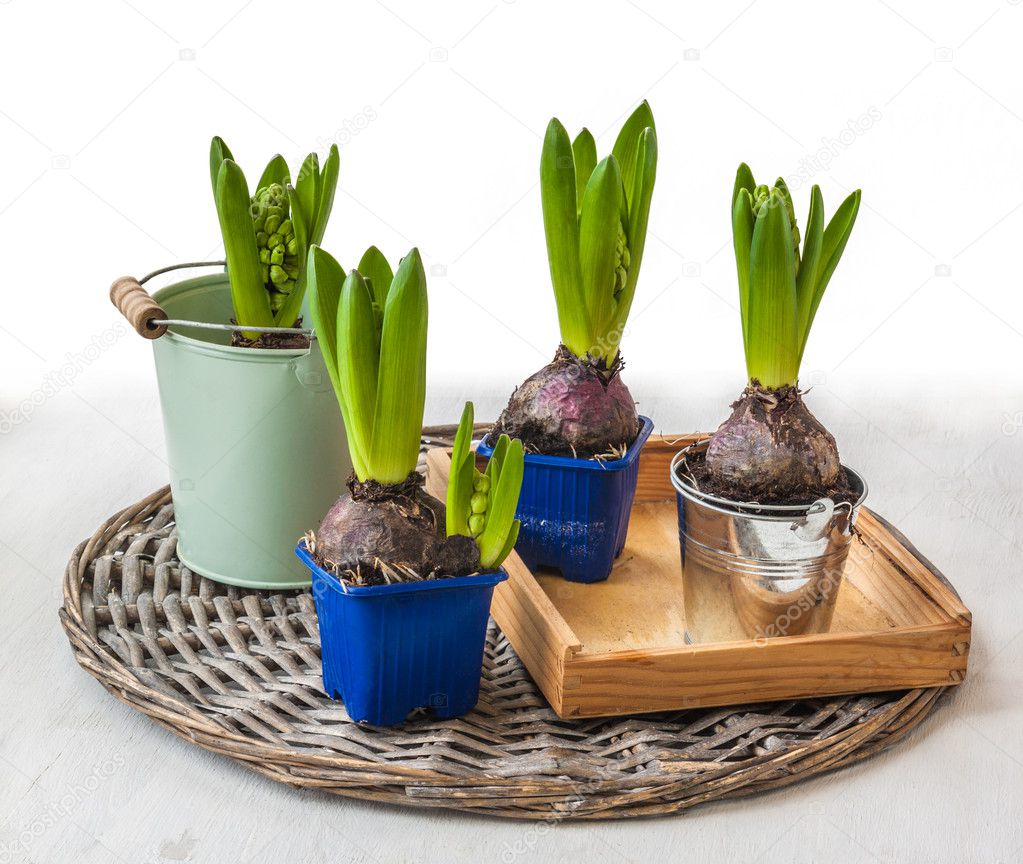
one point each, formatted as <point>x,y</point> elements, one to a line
<point>135,304</point>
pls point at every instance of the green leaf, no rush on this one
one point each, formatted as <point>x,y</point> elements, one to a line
<point>218,153</point>
<point>742,240</point>
<point>644,175</point>
<point>743,180</point>
<point>626,146</point>
<point>836,235</point>
<point>374,267</point>
<point>561,228</point>
<point>584,153</point>
<point>401,386</point>
<point>593,300</point>
<point>504,499</point>
<point>598,230</point>
<point>772,355</point>
<point>291,309</point>
<point>358,373</point>
<point>783,189</point>
<point>326,186</point>
<point>497,459</point>
<point>298,219</point>
<point>790,211</point>
<point>288,314</point>
<point>276,171</point>
<point>326,278</point>
<point>461,476</point>
<point>509,544</point>
<point>463,437</point>
<point>248,291</point>
<point>305,186</point>
<point>806,279</point>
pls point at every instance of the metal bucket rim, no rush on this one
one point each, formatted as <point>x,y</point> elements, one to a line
<point>767,512</point>
<point>202,346</point>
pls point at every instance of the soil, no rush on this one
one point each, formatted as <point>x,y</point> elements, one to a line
<point>376,534</point>
<point>577,407</point>
<point>271,340</point>
<point>705,481</point>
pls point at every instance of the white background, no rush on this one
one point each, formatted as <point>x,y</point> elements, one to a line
<point>106,110</point>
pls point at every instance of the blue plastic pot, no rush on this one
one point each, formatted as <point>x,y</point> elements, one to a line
<point>387,650</point>
<point>575,512</point>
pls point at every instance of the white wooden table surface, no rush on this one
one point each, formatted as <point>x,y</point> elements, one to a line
<point>84,778</point>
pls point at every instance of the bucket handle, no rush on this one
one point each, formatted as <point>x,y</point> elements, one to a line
<point>148,319</point>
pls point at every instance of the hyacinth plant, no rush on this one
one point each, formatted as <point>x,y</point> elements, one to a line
<point>772,449</point>
<point>595,220</point>
<point>267,237</point>
<point>481,504</point>
<point>372,327</point>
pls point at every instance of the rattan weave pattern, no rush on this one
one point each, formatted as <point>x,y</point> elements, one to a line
<point>238,673</point>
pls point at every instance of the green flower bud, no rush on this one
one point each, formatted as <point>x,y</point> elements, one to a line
<point>760,196</point>
<point>276,195</point>
<point>478,502</point>
<point>481,483</point>
<point>275,241</point>
<point>621,259</point>
<point>476,524</point>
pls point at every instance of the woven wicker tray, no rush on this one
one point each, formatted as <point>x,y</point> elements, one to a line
<point>238,673</point>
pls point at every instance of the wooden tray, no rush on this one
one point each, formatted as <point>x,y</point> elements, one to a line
<point>617,647</point>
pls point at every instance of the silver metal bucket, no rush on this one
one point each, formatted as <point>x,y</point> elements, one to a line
<point>755,572</point>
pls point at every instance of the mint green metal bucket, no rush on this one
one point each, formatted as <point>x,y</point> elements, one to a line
<point>256,446</point>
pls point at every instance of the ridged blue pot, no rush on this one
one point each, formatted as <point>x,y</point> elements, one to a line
<point>575,512</point>
<point>387,650</point>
